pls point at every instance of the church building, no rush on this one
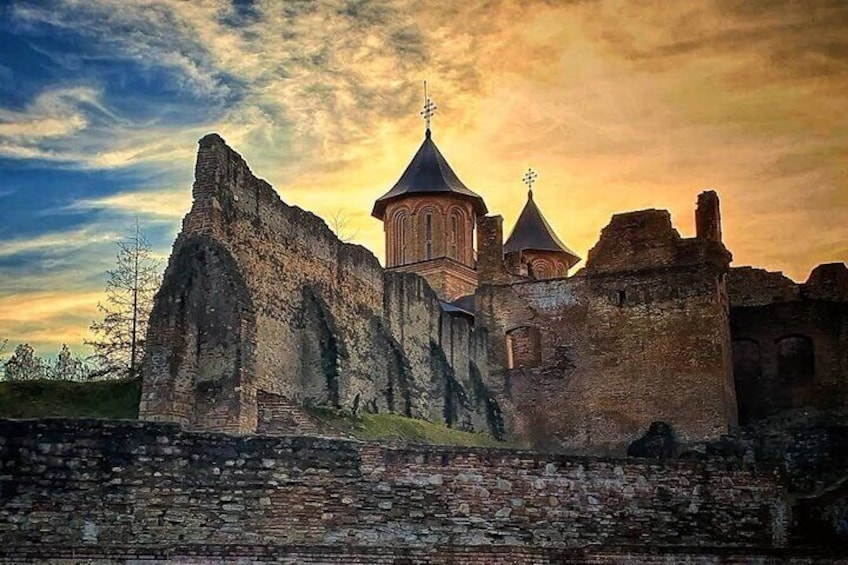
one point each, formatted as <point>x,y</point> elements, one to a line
<point>430,216</point>
<point>534,247</point>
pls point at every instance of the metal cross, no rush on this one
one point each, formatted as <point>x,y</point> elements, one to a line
<point>530,178</point>
<point>429,108</point>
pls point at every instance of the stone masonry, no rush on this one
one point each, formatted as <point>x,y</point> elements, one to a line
<point>790,341</point>
<point>640,335</point>
<point>260,298</point>
<point>142,492</point>
<point>261,303</point>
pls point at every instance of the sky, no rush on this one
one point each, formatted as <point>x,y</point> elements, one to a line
<point>616,105</point>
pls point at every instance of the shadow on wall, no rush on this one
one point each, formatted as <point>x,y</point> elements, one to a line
<point>321,351</point>
<point>200,339</point>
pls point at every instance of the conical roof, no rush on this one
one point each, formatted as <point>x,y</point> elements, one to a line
<point>428,173</point>
<point>533,233</point>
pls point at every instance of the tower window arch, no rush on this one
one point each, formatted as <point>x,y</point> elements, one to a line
<point>540,269</point>
<point>399,241</point>
<point>428,235</point>
<point>454,236</point>
<point>404,239</point>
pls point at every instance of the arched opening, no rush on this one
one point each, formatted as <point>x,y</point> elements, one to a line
<point>404,240</point>
<point>523,347</point>
<point>428,235</point>
<point>453,243</point>
<point>510,358</point>
<point>398,238</point>
<point>795,359</point>
<point>540,269</point>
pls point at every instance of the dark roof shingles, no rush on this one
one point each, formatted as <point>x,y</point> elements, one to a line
<point>428,173</point>
<point>532,232</point>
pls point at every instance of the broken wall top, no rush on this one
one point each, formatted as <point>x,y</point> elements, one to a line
<point>750,286</point>
<point>225,183</point>
<point>646,239</point>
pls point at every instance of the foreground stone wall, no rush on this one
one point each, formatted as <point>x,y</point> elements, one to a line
<point>75,488</point>
<point>640,335</point>
<point>261,296</point>
<point>435,555</point>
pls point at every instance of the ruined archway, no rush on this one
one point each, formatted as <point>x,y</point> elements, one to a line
<point>795,359</point>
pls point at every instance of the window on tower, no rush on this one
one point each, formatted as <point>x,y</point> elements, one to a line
<point>399,239</point>
<point>454,238</point>
<point>404,234</point>
<point>428,236</point>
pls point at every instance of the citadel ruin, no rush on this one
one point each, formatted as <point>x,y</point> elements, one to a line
<point>725,385</point>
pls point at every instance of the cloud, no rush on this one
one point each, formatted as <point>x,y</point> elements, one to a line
<point>46,320</point>
<point>44,306</point>
<point>55,113</point>
<point>617,105</point>
<point>72,125</point>
<point>152,204</point>
<point>152,33</point>
<point>57,242</point>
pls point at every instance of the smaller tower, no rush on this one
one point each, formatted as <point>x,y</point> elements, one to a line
<point>429,217</point>
<point>533,246</point>
<point>708,216</point>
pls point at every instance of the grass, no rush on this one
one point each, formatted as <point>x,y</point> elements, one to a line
<point>65,399</point>
<point>119,400</point>
<point>393,427</point>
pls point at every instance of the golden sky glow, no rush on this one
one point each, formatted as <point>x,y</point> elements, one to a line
<point>617,105</point>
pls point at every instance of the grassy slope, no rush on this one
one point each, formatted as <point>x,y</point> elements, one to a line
<point>63,399</point>
<point>119,400</point>
<point>398,428</point>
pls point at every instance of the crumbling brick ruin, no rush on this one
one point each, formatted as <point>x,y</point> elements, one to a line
<point>124,492</point>
<point>264,310</point>
<point>261,300</point>
<point>790,341</point>
<point>726,387</point>
<point>640,334</point>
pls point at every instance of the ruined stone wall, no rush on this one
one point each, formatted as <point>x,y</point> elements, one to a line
<point>261,296</point>
<point>74,488</point>
<point>640,335</point>
<point>790,341</point>
<point>435,555</point>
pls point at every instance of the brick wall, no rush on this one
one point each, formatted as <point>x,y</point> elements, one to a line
<point>143,489</point>
<point>261,296</point>
<point>279,415</point>
<point>641,334</point>
<point>790,341</point>
<point>210,554</point>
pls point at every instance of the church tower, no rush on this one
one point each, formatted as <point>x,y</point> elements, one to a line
<point>533,246</point>
<point>429,217</point>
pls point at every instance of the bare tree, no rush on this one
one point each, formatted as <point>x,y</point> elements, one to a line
<point>24,365</point>
<point>118,340</point>
<point>69,367</point>
<point>340,224</point>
